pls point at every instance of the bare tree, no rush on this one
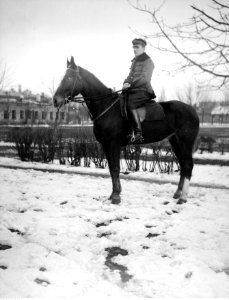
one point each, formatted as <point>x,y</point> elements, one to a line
<point>190,94</point>
<point>52,87</point>
<point>4,76</point>
<point>226,97</point>
<point>208,32</point>
<point>162,95</point>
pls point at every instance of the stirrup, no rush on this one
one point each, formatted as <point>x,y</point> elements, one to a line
<point>139,139</point>
<point>132,138</point>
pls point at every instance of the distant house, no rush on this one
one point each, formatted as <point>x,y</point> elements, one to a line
<point>220,114</point>
<point>21,108</point>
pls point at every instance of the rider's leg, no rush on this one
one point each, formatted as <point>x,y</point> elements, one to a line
<point>137,126</point>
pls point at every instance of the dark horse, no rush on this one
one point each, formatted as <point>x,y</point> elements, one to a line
<point>180,126</point>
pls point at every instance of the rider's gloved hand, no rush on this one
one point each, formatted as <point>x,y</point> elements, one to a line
<point>126,86</point>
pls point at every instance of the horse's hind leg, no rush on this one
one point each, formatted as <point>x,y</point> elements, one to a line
<point>177,151</point>
<point>178,192</point>
<point>183,152</point>
<point>187,174</point>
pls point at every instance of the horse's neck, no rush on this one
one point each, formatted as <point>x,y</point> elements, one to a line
<point>93,87</point>
<point>93,92</point>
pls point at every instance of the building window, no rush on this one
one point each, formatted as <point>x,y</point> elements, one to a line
<point>21,114</point>
<point>62,115</point>
<point>6,114</point>
<point>44,114</point>
<point>14,116</point>
<point>29,114</point>
<point>36,114</point>
<point>51,115</point>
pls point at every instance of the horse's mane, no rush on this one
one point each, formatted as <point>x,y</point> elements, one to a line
<point>92,78</point>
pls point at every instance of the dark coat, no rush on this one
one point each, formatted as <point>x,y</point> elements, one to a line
<point>141,72</point>
<point>139,79</point>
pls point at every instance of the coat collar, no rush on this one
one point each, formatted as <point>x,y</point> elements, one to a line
<point>141,57</point>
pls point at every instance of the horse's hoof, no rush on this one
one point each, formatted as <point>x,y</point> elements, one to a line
<point>115,199</point>
<point>181,201</point>
<point>177,195</point>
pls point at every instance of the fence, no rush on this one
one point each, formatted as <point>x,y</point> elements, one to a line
<point>206,117</point>
<point>77,146</point>
<point>82,150</point>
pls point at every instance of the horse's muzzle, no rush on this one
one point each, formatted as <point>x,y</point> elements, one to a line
<point>58,101</point>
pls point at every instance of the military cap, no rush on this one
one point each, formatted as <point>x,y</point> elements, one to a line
<point>139,41</point>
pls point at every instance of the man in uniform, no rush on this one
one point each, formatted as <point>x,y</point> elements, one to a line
<point>137,85</point>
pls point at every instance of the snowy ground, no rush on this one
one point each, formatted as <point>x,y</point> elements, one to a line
<point>61,237</point>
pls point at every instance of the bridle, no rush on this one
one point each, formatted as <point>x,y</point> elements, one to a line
<point>83,100</point>
<point>70,98</point>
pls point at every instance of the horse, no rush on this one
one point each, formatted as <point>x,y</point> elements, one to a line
<point>180,125</point>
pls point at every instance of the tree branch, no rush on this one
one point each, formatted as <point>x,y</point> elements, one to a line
<point>208,16</point>
<point>220,4</point>
<point>212,56</point>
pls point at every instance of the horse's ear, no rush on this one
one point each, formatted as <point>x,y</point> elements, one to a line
<point>68,63</point>
<point>72,62</point>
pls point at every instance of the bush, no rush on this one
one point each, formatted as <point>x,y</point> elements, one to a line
<point>60,151</point>
<point>25,143</point>
<point>45,144</point>
<point>36,144</point>
<point>131,154</point>
<point>152,157</point>
<point>97,155</point>
<point>161,158</point>
<point>75,152</point>
<point>47,140</point>
<point>86,152</point>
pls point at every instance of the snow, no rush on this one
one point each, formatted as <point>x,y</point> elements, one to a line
<point>207,175</point>
<point>220,110</point>
<point>212,156</point>
<point>10,144</point>
<point>59,226</point>
<point>215,124</point>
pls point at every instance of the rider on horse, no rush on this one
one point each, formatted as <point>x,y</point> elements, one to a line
<point>137,85</point>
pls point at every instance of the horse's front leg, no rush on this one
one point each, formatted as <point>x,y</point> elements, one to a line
<point>113,157</point>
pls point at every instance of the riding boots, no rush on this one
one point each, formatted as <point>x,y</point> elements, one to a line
<point>137,138</point>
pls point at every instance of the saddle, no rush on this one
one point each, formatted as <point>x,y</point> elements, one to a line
<point>152,111</point>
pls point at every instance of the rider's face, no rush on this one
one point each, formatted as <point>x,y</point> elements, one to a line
<point>138,49</point>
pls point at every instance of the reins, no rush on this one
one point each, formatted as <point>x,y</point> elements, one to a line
<point>83,100</point>
<point>106,110</point>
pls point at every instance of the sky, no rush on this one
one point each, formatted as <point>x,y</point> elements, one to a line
<point>37,36</point>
